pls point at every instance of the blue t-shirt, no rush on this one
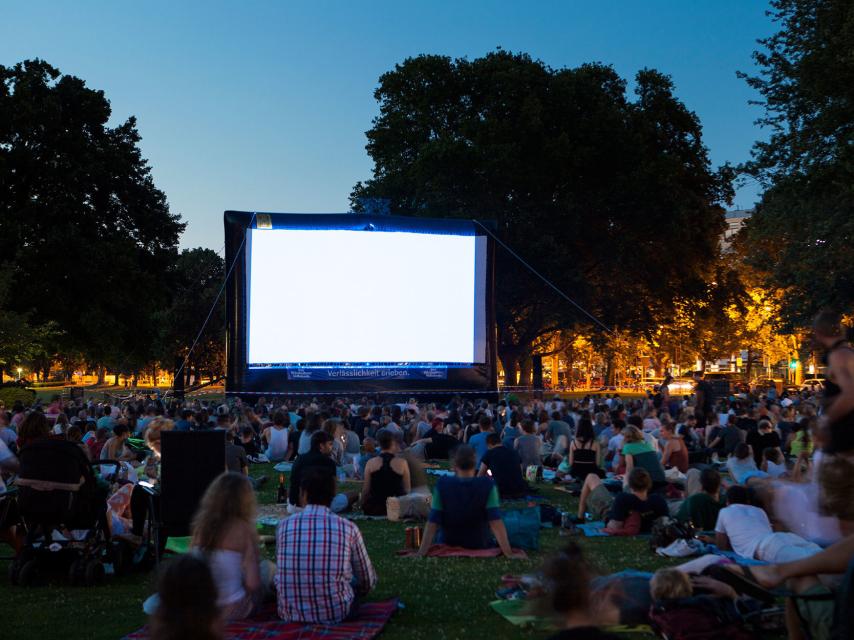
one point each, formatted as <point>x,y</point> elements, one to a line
<point>478,443</point>
<point>182,425</point>
<point>463,509</point>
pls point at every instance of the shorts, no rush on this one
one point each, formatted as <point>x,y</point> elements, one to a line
<point>599,502</point>
<point>817,614</point>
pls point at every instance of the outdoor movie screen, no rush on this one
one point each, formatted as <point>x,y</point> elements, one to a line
<point>343,297</point>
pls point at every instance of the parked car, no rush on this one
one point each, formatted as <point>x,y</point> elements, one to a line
<point>812,384</point>
<point>764,385</point>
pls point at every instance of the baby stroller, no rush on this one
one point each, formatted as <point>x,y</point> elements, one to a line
<point>63,513</point>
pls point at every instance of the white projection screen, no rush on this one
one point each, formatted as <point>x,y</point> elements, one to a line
<point>334,296</point>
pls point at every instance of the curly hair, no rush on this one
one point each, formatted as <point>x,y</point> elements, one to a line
<point>229,498</point>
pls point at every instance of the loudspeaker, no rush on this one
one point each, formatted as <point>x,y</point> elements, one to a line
<point>537,371</point>
<point>190,461</point>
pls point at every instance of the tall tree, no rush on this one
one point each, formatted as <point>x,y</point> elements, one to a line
<point>802,234</point>
<point>195,281</point>
<point>613,199</point>
<point>87,236</point>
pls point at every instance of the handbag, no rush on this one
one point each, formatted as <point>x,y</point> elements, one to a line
<point>523,527</point>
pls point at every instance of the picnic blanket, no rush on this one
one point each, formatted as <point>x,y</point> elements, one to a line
<point>438,472</point>
<point>514,611</point>
<point>448,551</point>
<point>372,617</point>
<point>597,530</point>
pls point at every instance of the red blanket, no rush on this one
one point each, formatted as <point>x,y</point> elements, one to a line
<point>447,551</point>
<point>373,616</point>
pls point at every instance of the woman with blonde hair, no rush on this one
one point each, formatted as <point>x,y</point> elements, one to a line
<point>224,532</point>
<point>637,453</point>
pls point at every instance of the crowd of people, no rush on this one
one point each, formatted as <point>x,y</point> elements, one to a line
<point>768,477</point>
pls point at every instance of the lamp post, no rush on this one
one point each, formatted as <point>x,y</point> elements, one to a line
<point>19,372</point>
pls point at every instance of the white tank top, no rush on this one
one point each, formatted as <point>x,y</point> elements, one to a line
<point>227,570</point>
<point>278,447</point>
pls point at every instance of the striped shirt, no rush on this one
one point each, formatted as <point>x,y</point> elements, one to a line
<point>318,555</point>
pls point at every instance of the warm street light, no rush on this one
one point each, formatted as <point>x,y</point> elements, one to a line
<point>19,372</point>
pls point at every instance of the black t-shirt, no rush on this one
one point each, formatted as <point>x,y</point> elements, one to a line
<point>761,441</point>
<point>235,457</point>
<point>708,395</point>
<point>307,461</point>
<point>746,424</point>
<point>506,468</point>
<point>441,446</point>
<point>625,503</point>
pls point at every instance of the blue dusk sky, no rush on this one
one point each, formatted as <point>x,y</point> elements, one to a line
<point>263,105</point>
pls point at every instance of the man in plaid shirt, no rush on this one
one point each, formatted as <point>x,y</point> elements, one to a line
<point>321,561</point>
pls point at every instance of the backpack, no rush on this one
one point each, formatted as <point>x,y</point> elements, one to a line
<point>666,530</point>
<point>698,618</point>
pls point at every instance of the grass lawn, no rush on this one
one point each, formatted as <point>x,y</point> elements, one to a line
<point>443,598</point>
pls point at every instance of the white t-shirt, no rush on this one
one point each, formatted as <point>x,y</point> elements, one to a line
<point>5,454</point>
<point>615,444</point>
<point>745,526</point>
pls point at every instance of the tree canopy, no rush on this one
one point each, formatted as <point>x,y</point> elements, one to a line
<point>802,234</point>
<point>86,236</point>
<point>611,197</point>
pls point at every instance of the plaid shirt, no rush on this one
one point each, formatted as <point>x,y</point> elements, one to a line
<point>317,556</point>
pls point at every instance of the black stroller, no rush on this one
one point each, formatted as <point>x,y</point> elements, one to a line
<point>63,513</point>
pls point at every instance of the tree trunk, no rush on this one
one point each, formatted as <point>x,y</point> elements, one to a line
<point>610,372</point>
<point>525,371</point>
<point>102,374</point>
<point>509,357</point>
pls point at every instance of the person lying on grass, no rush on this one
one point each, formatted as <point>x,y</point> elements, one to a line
<point>630,512</point>
<point>465,510</point>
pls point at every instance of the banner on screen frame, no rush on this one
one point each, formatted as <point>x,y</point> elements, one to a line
<point>367,373</point>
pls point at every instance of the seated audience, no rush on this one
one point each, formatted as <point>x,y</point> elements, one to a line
<point>504,466</point>
<point>465,509</point>
<point>675,452</point>
<point>567,598</point>
<point>742,466</point>
<point>584,452</point>
<point>762,438</point>
<point>322,565</point>
<point>276,437</point>
<point>386,476</point>
<point>187,602</point>
<point>773,462</point>
<point>629,512</point>
<point>317,457</point>
<point>224,532</point>
<point>701,509</point>
<point>637,453</point>
<point>529,445</point>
